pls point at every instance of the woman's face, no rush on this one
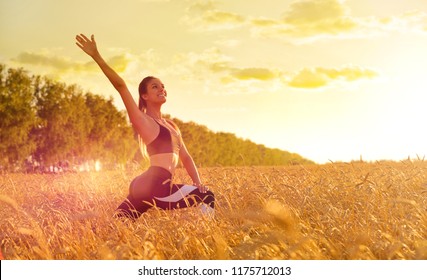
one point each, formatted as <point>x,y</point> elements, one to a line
<point>156,92</point>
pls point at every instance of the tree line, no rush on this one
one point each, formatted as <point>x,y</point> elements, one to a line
<point>45,122</point>
<point>225,149</point>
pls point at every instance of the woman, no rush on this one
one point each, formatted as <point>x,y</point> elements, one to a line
<point>164,145</point>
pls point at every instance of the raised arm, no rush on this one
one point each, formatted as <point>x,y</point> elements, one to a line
<point>137,118</point>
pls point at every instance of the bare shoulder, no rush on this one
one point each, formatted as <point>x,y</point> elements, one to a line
<point>172,123</point>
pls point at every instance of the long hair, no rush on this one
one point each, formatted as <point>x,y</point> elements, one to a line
<point>142,105</point>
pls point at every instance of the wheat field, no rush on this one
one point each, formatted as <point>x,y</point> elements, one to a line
<point>333,211</point>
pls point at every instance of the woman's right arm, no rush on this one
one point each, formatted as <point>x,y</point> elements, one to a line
<point>138,119</point>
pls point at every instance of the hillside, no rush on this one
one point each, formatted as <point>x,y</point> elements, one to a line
<point>226,149</point>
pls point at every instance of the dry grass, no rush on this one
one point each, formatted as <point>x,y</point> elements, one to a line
<point>332,211</point>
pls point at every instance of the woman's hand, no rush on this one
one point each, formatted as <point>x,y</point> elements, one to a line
<point>88,46</point>
<point>202,188</point>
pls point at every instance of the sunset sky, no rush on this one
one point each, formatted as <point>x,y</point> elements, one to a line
<point>330,80</point>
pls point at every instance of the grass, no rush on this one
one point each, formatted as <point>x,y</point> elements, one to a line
<point>334,211</point>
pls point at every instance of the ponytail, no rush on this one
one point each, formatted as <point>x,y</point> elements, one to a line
<point>142,105</point>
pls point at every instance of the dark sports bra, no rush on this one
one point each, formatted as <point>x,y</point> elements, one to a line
<point>165,142</point>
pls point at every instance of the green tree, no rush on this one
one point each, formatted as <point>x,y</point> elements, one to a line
<point>65,122</point>
<point>111,137</point>
<point>225,149</point>
<point>17,117</point>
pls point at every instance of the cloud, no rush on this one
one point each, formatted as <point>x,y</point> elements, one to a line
<point>204,16</point>
<point>213,61</point>
<point>64,64</point>
<point>199,65</point>
<point>44,59</point>
<point>214,20</point>
<point>262,74</point>
<point>303,18</point>
<point>309,19</point>
<point>311,12</point>
<point>201,6</point>
<point>219,73</point>
<point>119,62</point>
<point>304,21</point>
<point>223,18</point>
<point>411,21</point>
<point>311,78</point>
<point>228,43</point>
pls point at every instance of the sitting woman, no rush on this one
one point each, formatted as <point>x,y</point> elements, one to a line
<point>162,141</point>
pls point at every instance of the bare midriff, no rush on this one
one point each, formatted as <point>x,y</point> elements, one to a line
<point>168,161</point>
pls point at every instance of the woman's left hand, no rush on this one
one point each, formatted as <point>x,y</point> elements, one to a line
<point>202,188</point>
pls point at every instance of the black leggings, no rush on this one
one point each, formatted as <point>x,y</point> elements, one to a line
<point>154,188</point>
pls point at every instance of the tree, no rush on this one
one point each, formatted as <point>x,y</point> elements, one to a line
<point>111,138</point>
<point>17,117</point>
<point>65,122</point>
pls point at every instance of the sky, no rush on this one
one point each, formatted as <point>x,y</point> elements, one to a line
<point>331,80</point>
